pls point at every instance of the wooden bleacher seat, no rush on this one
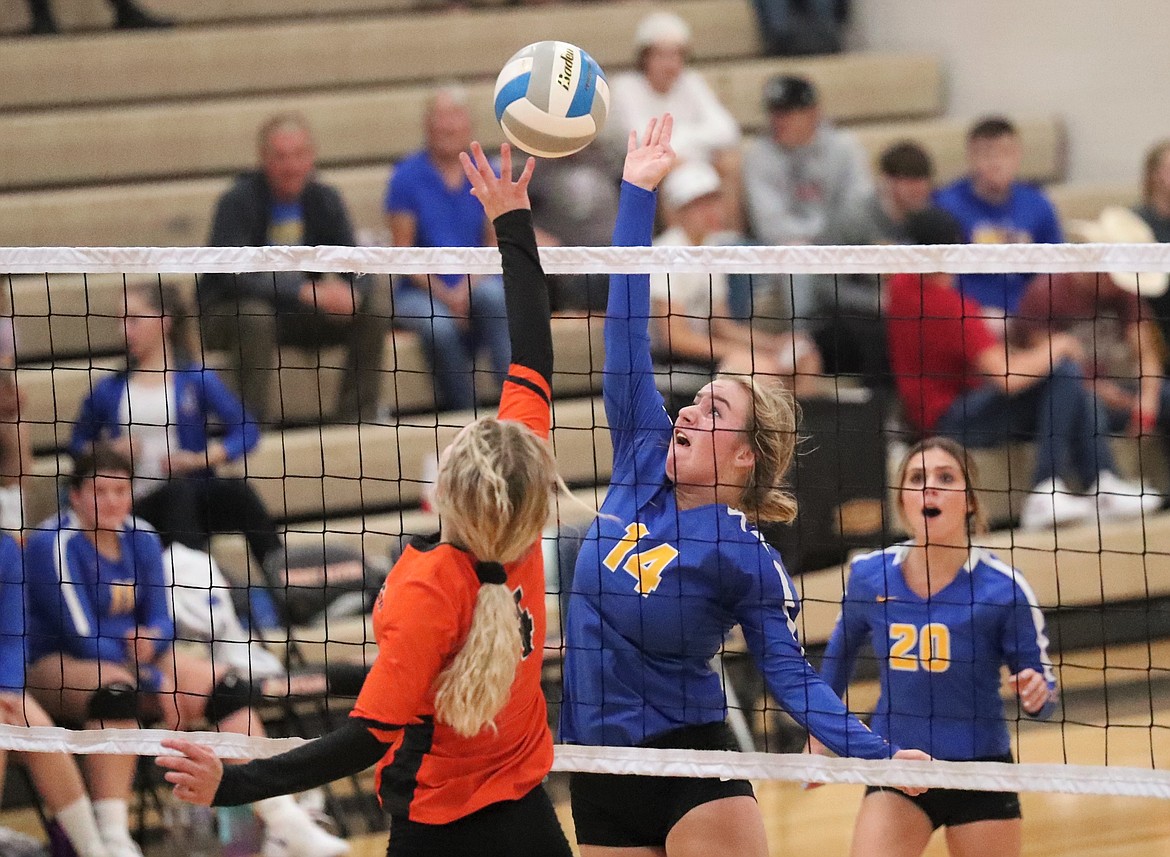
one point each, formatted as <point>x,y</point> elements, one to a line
<point>341,53</point>
<point>1085,200</point>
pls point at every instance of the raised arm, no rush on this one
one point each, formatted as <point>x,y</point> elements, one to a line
<point>527,389</point>
<point>633,404</point>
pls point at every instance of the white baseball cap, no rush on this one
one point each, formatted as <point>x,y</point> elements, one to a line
<point>690,181</point>
<point>1118,225</point>
<point>662,28</point>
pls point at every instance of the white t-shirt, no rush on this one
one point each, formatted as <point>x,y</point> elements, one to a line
<point>148,418</point>
<point>702,125</point>
<point>691,295</point>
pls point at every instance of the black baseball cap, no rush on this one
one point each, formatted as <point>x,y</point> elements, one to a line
<point>789,92</point>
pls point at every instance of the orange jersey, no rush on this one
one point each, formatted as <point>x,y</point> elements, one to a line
<point>422,617</point>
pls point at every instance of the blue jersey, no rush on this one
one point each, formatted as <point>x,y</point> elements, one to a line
<point>12,616</point>
<point>940,658</point>
<point>1027,217</point>
<point>86,604</point>
<point>657,589</point>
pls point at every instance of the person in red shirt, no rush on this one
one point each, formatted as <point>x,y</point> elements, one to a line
<point>452,711</point>
<point>956,377</point>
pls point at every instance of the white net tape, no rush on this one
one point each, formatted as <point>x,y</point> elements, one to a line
<point>994,776</point>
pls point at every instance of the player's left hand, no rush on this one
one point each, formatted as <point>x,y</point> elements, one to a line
<point>1031,688</point>
<point>497,194</point>
<point>915,756</point>
<point>195,773</point>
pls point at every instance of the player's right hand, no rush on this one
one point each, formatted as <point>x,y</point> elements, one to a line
<point>195,772</point>
<point>917,756</point>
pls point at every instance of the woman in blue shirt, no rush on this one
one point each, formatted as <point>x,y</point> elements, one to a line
<point>942,617</point>
<point>669,566</point>
<point>177,422</point>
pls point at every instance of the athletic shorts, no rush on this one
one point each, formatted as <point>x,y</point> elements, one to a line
<point>952,807</point>
<point>632,811</point>
<point>527,827</point>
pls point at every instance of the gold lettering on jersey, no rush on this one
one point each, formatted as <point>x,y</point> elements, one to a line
<point>933,641</point>
<point>122,599</point>
<point>647,566</point>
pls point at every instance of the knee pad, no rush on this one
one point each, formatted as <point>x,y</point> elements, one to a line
<point>231,694</point>
<point>116,701</point>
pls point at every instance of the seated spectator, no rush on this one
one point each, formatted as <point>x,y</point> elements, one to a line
<point>250,315</point>
<point>574,203</point>
<point>844,310</point>
<point>994,207</point>
<point>957,377</point>
<point>799,27</point>
<point>1155,211</point>
<point>102,653</point>
<point>1109,315</point>
<point>704,130</point>
<point>805,173</point>
<point>691,321</point>
<point>162,414</point>
<point>128,15</point>
<point>429,204</point>
<point>54,775</point>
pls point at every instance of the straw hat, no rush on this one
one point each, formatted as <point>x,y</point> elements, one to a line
<point>1118,225</point>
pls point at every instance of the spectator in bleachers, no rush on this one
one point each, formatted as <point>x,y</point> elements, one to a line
<point>128,15</point>
<point>692,325</point>
<point>55,775</point>
<point>429,204</point>
<point>805,172</point>
<point>844,310</point>
<point>1155,211</point>
<point>1110,316</point>
<point>102,650</point>
<point>250,315</point>
<point>799,27</point>
<point>704,130</point>
<point>995,207</point>
<point>957,377</point>
<point>178,424</point>
<point>574,202</point>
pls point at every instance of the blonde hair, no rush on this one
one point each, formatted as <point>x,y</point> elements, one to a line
<point>976,517</point>
<point>494,495</point>
<point>1153,160</point>
<point>771,431</point>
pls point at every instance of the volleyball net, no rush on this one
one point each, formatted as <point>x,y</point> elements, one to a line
<point>346,491</point>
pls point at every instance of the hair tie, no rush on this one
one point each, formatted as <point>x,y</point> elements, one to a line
<point>490,572</point>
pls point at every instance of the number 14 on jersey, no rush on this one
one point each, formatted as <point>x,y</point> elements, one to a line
<point>645,566</point>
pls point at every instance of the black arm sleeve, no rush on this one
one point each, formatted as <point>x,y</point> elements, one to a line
<point>345,751</point>
<point>525,292</point>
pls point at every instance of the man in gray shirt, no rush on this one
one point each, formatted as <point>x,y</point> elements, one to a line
<point>843,311</point>
<point>806,171</point>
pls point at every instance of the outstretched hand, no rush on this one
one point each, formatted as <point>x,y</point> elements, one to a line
<point>195,774</point>
<point>497,194</point>
<point>648,163</point>
<point>915,756</point>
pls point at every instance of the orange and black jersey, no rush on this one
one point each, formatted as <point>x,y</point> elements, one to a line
<point>426,771</point>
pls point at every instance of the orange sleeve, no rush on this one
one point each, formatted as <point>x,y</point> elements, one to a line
<point>527,399</point>
<point>418,631</point>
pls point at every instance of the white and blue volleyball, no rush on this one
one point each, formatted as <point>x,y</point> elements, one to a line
<point>551,99</point>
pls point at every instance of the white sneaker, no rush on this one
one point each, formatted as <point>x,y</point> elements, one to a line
<point>1119,498</point>
<point>294,834</point>
<point>1051,504</point>
<point>122,846</point>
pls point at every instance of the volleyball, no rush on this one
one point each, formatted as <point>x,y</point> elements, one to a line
<point>551,99</point>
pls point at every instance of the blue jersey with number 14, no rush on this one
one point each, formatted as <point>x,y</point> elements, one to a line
<point>940,657</point>
<point>657,588</point>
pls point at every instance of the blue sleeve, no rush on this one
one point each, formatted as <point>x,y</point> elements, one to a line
<point>1049,231</point>
<point>399,199</point>
<point>767,615</point>
<point>64,608</point>
<point>241,433</point>
<point>1025,644</point>
<point>637,418</point>
<point>92,423</point>
<point>12,613</point>
<point>154,610</point>
<point>851,632</point>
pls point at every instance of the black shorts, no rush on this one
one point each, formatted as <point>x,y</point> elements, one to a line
<point>952,807</point>
<point>631,811</point>
<point>527,827</point>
